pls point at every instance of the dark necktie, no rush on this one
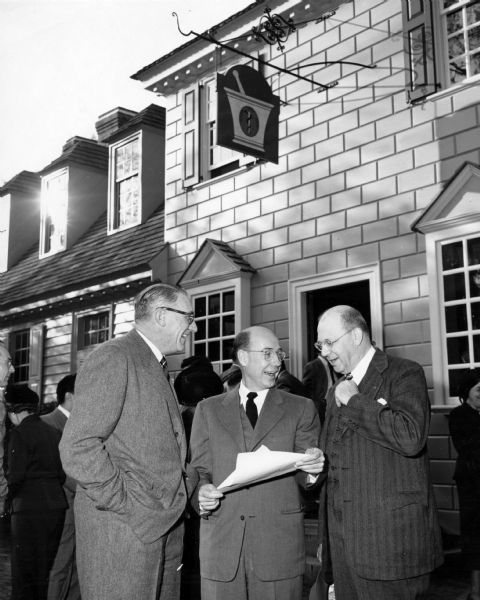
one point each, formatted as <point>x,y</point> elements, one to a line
<point>164,366</point>
<point>251,408</point>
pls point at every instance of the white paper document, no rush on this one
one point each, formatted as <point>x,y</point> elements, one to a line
<point>262,464</point>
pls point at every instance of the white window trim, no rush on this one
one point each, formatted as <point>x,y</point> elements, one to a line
<point>43,211</point>
<point>297,306</point>
<point>111,229</point>
<point>77,315</point>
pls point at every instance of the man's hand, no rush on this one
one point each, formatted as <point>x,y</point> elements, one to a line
<point>209,497</point>
<point>344,391</point>
<point>312,462</point>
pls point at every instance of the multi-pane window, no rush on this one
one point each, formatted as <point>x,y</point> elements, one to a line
<point>93,329</point>
<point>20,351</point>
<point>54,212</point>
<point>461,21</point>
<point>460,272</point>
<point>126,184</point>
<point>215,320</point>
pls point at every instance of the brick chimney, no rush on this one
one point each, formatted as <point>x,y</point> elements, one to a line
<point>112,121</point>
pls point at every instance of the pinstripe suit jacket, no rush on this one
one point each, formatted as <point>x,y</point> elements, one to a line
<point>124,442</point>
<point>381,466</point>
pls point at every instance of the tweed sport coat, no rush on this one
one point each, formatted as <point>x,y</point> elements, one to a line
<point>384,491</point>
<point>286,422</point>
<point>124,442</point>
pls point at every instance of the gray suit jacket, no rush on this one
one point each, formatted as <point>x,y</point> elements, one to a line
<point>382,471</point>
<point>273,508</point>
<point>124,442</point>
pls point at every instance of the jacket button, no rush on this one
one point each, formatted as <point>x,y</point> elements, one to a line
<point>242,518</point>
<point>176,434</point>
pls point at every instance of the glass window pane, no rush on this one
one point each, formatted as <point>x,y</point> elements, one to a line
<point>454,286</point>
<point>473,13</point>
<point>476,315</point>
<point>452,256</point>
<point>457,350</point>
<point>473,251</point>
<point>458,70</point>
<point>454,379</point>
<point>475,64</point>
<point>214,327</point>
<point>228,301</point>
<point>200,349</point>
<point>214,351</point>
<point>201,329</point>
<point>456,318</point>
<point>476,348</point>
<point>214,304</point>
<point>454,21</point>
<point>229,325</point>
<point>474,277</point>
<point>200,306</point>
<point>227,348</point>
<point>473,38</point>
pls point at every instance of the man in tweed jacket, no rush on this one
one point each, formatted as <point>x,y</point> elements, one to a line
<point>382,523</point>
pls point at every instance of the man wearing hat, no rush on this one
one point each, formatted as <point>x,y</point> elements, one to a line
<point>35,494</point>
<point>6,370</point>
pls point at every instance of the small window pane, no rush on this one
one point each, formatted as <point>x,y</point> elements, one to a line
<point>414,7</point>
<point>476,315</point>
<point>214,304</point>
<point>456,318</point>
<point>473,251</point>
<point>473,13</point>
<point>227,349</point>
<point>454,379</point>
<point>229,325</point>
<point>452,256</point>
<point>200,349</point>
<point>457,350</point>
<point>200,306</point>
<point>454,21</point>
<point>454,286</point>
<point>201,328</point>
<point>228,301</point>
<point>214,351</point>
<point>214,327</point>
<point>476,348</point>
<point>474,278</point>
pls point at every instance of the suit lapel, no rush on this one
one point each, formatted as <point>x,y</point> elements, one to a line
<point>229,416</point>
<point>373,378</point>
<point>270,414</point>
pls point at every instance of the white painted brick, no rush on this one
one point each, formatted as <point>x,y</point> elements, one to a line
<point>218,188</point>
<point>301,231</point>
<point>380,230</point>
<point>288,216</point>
<point>394,123</point>
<point>318,170</point>
<point>403,161</point>
<point>300,122</point>
<point>366,213</point>
<point>170,220</point>
<point>386,48</point>
<point>416,309</point>
<point>173,174</point>
<point>343,123</point>
<point>425,196</point>
<point>302,268</point>
<point>429,111</point>
<point>396,205</point>
<point>263,295</point>
<point>198,195</point>
<point>398,246</point>
<point>329,147</point>
<point>274,203</point>
<point>416,178</point>
<point>355,26</point>
<point>332,222</point>
<point>298,54</point>
<point>466,97</point>
<point>327,111</point>
<point>272,274</point>
<point>247,211</point>
<point>198,227</point>
<point>288,144</point>
<point>275,237</point>
<point>362,255</point>
<point>286,181</point>
<point>270,169</point>
<point>260,224</point>
<point>468,140</point>
<point>347,238</point>
<point>175,203</point>
<point>353,101</point>
<point>346,199</point>
<point>234,232</point>
<point>186,215</point>
<point>378,149</point>
<point>361,175</point>
<point>170,160</point>
<point>234,199</point>
<point>332,261</point>
<point>223,219</point>
<point>384,11</point>
<point>447,168</point>
<point>392,312</point>
<point>464,119</point>
<point>281,291</point>
<point>390,269</point>
<point>261,259</point>
<point>434,151</point>
<point>415,264</point>
<point>370,37</point>
<point>301,158</point>
<point>252,243</point>
<point>310,32</point>
<point>184,247</point>
<point>316,208</point>
<point>287,253</point>
<point>330,38</point>
<point>374,112</point>
<point>313,135</point>
<point>298,88</point>
<point>247,178</point>
<point>260,190</point>
<point>301,194</point>
<point>177,233</point>
<point>415,136</point>
<point>316,245</point>
<point>345,161</point>
<point>359,136</point>
<point>403,333</point>
<point>330,185</point>
<point>402,289</point>
<point>210,207</point>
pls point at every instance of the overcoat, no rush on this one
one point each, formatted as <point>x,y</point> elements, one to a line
<point>380,466</point>
<point>273,508</point>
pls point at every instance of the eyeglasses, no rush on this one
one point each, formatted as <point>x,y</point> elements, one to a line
<point>190,315</point>
<point>327,344</point>
<point>269,353</point>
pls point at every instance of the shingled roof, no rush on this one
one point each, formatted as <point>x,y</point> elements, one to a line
<point>25,181</point>
<point>82,151</point>
<point>96,258</point>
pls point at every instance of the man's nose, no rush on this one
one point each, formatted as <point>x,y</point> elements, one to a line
<point>193,327</point>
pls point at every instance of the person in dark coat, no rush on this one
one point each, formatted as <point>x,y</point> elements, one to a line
<point>464,422</point>
<point>35,496</point>
<point>288,382</point>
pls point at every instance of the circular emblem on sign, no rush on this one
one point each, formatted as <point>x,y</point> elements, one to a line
<point>248,121</point>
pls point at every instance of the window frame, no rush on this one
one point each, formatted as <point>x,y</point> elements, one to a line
<point>83,351</point>
<point>46,180</point>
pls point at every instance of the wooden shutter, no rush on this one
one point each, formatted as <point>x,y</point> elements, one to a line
<point>191,141</point>
<point>419,49</point>
<point>35,370</point>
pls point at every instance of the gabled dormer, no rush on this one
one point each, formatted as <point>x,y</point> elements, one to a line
<point>19,217</point>
<point>136,164</point>
<point>73,192</point>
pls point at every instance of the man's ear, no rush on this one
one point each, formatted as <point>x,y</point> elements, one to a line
<point>242,356</point>
<point>159,316</point>
<point>357,336</point>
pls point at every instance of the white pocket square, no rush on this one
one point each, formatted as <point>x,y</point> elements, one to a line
<point>382,401</point>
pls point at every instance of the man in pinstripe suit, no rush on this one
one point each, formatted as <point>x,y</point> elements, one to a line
<point>382,524</point>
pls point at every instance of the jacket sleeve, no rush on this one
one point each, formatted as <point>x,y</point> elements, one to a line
<point>466,438</point>
<point>17,462</point>
<point>99,398</point>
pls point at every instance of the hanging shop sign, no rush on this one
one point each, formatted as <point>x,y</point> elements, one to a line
<point>247,113</point>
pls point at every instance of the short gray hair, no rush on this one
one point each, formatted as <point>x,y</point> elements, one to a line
<point>148,298</point>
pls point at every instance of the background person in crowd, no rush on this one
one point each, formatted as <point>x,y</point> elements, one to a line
<point>464,422</point>
<point>382,522</point>
<point>288,382</point>
<point>317,379</point>
<point>252,541</point>
<point>231,377</point>
<point>125,446</point>
<point>35,498</point>
<point>63,579</point>
<point>6,370</point>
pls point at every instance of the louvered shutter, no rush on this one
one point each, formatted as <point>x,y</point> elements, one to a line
<point>191,142</point>
<point>36,359</point>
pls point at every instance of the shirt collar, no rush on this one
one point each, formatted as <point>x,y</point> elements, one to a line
<point>359,371</point>
<point>158,354</point>
<point>64,410</point>
<point>259,400</point>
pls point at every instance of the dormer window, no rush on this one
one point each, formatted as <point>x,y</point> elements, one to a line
<point>125,197</point>
<point>54,205</point>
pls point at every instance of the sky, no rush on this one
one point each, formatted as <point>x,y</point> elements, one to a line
<point>63,63</point>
